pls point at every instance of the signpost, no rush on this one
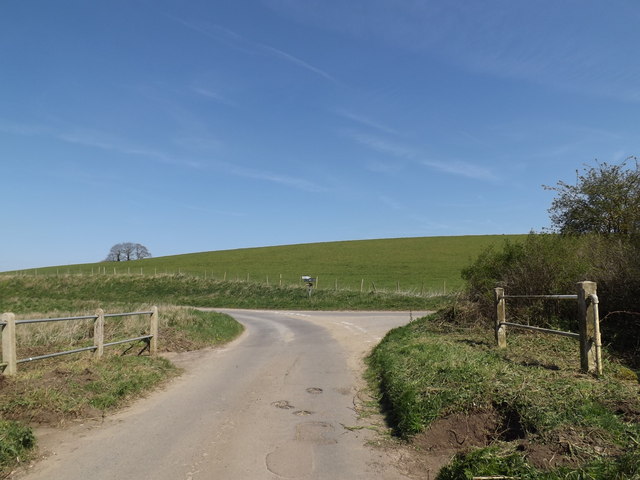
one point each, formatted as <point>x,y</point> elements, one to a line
<point>309,281</point>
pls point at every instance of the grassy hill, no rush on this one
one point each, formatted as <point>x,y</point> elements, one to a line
<point>422,264</point>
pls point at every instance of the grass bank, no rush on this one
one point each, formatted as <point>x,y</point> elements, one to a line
<point>27,294</point>
<point>525,412</point>
<point>53,391</point>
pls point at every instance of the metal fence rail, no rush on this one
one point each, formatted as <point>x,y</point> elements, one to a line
<point>552,297</point>
<point>542,330</point>
<point>8,325</point>
<point>58,354</point>
<point>60,319</point>
<point>110,315</point>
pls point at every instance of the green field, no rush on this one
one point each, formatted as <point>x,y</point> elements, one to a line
<point>421,265</point>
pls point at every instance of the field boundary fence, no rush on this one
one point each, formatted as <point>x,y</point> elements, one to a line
<point>8,324</point>
<point>588,321</point>
<point>354,283</point>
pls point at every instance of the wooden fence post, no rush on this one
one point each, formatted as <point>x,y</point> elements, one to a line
<point>153,330</point>
<point>98,334</point>
<point>586,323</point>
<point>501,330</point>
<point>9,355</point>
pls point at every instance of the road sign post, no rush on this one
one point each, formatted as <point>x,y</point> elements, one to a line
<point>309,281</point>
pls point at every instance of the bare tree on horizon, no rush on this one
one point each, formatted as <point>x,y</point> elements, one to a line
<point>123,252</point>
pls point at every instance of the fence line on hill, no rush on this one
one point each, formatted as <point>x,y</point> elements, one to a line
<point>362,285</point>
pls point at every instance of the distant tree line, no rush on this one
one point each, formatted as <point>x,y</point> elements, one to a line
<point>123,252</point>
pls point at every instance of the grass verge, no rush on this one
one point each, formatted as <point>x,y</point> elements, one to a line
<point>27,294</point>
<point>533,414</point>
<point>53,391</point>
<point>16,442</point>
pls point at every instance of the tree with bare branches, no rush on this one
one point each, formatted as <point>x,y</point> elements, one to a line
<point>123,252</point>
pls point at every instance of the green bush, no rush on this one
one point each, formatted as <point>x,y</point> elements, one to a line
<point>541,264</point>
<point>553,264</point>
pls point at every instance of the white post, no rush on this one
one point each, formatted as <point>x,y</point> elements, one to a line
<point>98,334</point>
<point>501,315</point>
<point>153,345</point>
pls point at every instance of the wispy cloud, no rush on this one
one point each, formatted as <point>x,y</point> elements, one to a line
<point>272,177</point>
<point>203,144</point>
<point>95,139</point>
<point>104,141</point>
<point>172,203</point>
<point>384,145</point>
<point>386,168</point>
<point>362,120</point>
<point>574,46</point>
<point>211,95</point>
<point>215,32</point>
<point>458,168</point>
<point>22,129</point>
<point>295,60</point>
<point>461,169</point>
<point>391,203</point>
<point>246,45</point>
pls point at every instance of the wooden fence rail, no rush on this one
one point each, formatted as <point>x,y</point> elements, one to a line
<point>588,321</point>
<point>8,323</point>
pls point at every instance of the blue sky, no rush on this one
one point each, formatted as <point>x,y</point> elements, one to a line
<point>199,125</point>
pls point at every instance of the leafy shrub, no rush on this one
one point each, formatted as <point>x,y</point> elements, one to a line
<point>542,264</point>
<point>553,264</point>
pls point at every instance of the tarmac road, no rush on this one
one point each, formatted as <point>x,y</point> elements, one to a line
<point>276,403</point>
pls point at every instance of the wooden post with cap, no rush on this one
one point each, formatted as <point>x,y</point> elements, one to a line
<point>9,355</point>
<point>587,309</point>
<point>501,329</point>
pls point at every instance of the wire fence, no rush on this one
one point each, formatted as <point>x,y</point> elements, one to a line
<point>410,286</point>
